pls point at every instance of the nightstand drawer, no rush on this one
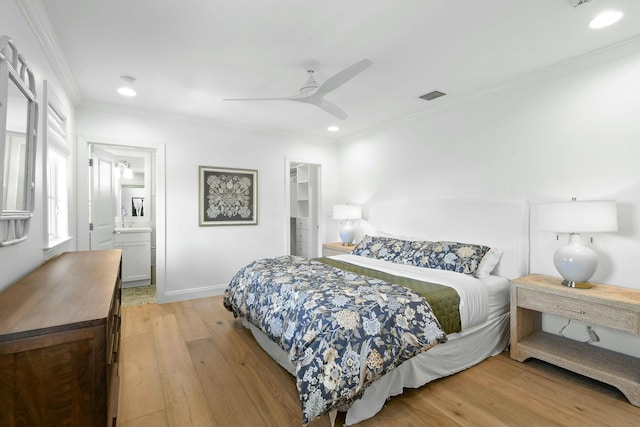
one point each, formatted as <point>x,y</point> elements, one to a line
<point>586,311</point>
<point>331,252</point>
<point>330,249</point>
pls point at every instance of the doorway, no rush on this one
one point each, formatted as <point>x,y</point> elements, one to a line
<point>304,196</point>
<point>147,164</point>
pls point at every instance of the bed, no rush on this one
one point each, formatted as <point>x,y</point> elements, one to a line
<point>460,252</point>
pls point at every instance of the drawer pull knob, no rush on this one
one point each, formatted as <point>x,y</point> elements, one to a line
<point>572,309</point>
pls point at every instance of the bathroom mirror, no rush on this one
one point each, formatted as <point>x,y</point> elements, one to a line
<point>135,191</point>
<point>18,122</point>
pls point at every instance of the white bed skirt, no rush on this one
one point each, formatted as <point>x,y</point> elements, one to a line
<point>461,351</point>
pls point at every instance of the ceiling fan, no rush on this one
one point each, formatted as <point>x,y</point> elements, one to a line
<point>312,93</point>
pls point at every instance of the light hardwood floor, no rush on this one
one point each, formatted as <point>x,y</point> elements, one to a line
<point>191,364</point>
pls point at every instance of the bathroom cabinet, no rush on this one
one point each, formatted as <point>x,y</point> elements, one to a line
<point>135,244</point>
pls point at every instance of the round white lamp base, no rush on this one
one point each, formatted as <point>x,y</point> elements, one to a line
<point>575,262</point>
<point>347,233</point>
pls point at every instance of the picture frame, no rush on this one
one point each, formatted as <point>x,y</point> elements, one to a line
<point>227,196</point>
<point>137,206</point>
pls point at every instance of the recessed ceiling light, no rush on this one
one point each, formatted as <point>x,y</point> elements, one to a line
<point>606,18</point>
<point>333,128</point>
<point>126,89</point>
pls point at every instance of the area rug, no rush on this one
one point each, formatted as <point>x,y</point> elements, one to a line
<point>139,295</point>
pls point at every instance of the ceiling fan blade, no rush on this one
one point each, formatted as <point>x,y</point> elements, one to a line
<point>343,76</point>
<point>323,104</point>
<point>332,109</point>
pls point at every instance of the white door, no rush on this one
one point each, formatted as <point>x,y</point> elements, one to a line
<point>102,204</point>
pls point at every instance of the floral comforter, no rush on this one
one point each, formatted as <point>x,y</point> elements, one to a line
<point>342,331</point>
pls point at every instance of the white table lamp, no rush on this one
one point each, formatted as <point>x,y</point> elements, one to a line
<point>576,262</point>
<point>347,213</point>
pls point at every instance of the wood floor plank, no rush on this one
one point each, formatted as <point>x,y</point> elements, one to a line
<point>190,323</point>
<point>140,386</point>
<point>230,407</point>
<point>136,320</point>
<point>509,405</point>
<point>454,407</point>
<point>581,406</point>
<point>263,379</point>
<point>266,389</point>
<point>210,310</point>
<point>156,419</point>
<point>171,349</point>
<point>209,365</point>
<point>185,402</point>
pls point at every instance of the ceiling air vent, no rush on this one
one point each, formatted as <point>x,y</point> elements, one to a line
<point>432,95</point>
<point>576,3</point>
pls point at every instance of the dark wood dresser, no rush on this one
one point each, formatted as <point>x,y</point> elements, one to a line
<point>59,340</point>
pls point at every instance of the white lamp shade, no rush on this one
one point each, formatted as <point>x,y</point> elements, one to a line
<point>347,212</point>
<point>578,216</point>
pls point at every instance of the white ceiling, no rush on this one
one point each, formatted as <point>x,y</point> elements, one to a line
<point>188,55</point>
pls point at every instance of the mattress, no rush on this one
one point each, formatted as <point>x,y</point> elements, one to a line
<point>485,332</point>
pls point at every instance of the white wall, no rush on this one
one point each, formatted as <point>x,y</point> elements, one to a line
<point>575,132</point>
<point>202,260</point>
<point>18,260</point>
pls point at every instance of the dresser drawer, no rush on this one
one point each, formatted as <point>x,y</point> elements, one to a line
<point>303,236</point>
<point>302,223</point>
<point>586,311</point>
<point>303,249</point>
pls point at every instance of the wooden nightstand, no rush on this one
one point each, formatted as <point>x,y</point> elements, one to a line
<point>605,305</point>
<point>338,248</point>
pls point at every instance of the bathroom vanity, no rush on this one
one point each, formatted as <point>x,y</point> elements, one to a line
<point>135,243</point>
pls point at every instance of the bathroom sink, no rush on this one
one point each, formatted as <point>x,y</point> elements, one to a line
<point>132,230</point>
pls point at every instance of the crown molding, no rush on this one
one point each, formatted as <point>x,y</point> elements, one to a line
<point>163,115</point>
<point>36,15</point>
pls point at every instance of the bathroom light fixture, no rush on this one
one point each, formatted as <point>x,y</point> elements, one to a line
<point>606,18</point>
<point>125,169</point>
<point>333,128</point>
<point>126,89</point>
<point>576,262</point>
<point>347,213</point>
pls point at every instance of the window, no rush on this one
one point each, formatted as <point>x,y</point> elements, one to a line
<point>57,173</point>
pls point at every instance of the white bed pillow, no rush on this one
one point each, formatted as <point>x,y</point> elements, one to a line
<point>489,262</point>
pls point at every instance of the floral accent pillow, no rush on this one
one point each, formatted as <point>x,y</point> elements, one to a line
<point>452,256</point>
<point>389,249</point>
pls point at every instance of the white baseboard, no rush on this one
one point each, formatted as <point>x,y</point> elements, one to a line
<point>193,293</point>
<point>136,283</point>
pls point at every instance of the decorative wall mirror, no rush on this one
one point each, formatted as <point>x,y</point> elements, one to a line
<point>18,131</point>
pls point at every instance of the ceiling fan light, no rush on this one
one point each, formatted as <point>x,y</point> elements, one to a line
<point>606,18</point>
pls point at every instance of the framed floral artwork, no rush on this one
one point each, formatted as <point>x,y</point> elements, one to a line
<point>228,196</point>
